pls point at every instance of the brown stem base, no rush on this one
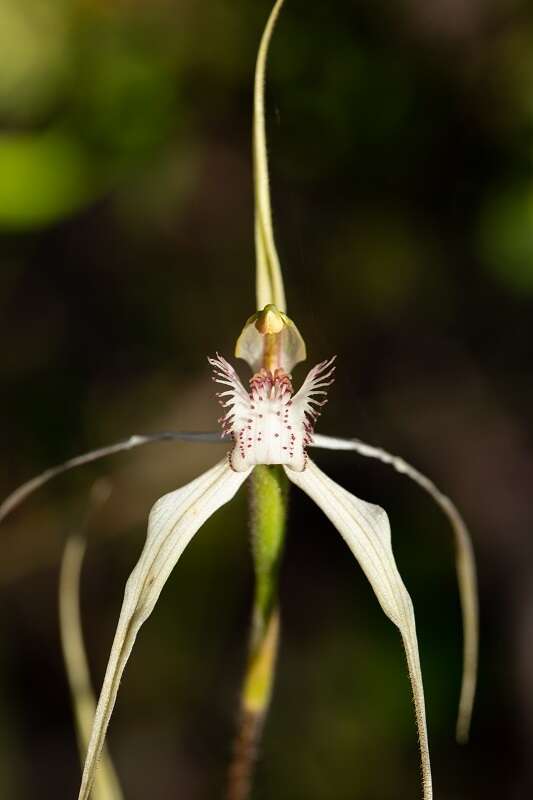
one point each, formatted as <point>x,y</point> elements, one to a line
<point>245,752</point>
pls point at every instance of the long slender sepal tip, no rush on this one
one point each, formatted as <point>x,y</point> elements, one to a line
<point>465,567</point>
<point>22,492</point>
<point>269,279</point>
<point>174,520</point>
<point>365,529</point>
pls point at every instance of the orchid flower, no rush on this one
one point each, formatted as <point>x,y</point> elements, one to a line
<point>269,425</point>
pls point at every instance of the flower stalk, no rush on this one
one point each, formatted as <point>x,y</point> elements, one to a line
<point>268,505</point>
<point>255,701</point>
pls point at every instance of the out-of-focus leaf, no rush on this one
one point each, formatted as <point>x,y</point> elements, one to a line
<point>506,236</point>
<point>35,53</point>
<point>125,97</point>
<point>45,176</point>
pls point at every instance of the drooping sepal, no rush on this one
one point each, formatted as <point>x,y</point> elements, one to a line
<point>173,521</point>
<point>365,529</point>
<point>465,566</point>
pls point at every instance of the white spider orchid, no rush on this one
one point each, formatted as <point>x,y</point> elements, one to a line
<point>270,424</point>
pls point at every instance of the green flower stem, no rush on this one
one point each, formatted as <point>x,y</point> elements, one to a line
<point>268,517</point>
<point>269,487</point>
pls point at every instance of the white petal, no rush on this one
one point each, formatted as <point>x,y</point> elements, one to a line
<point>465,566</point>
<point>312,394</point>
<point>365,529</point>
<point>174,520</point>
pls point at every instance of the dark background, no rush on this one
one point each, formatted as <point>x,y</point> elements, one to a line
<point>401,147</point>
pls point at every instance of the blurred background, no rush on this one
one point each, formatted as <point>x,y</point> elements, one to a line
<point>401,147</point>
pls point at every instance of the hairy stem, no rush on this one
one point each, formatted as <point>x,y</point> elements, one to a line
<point>268,501</point>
